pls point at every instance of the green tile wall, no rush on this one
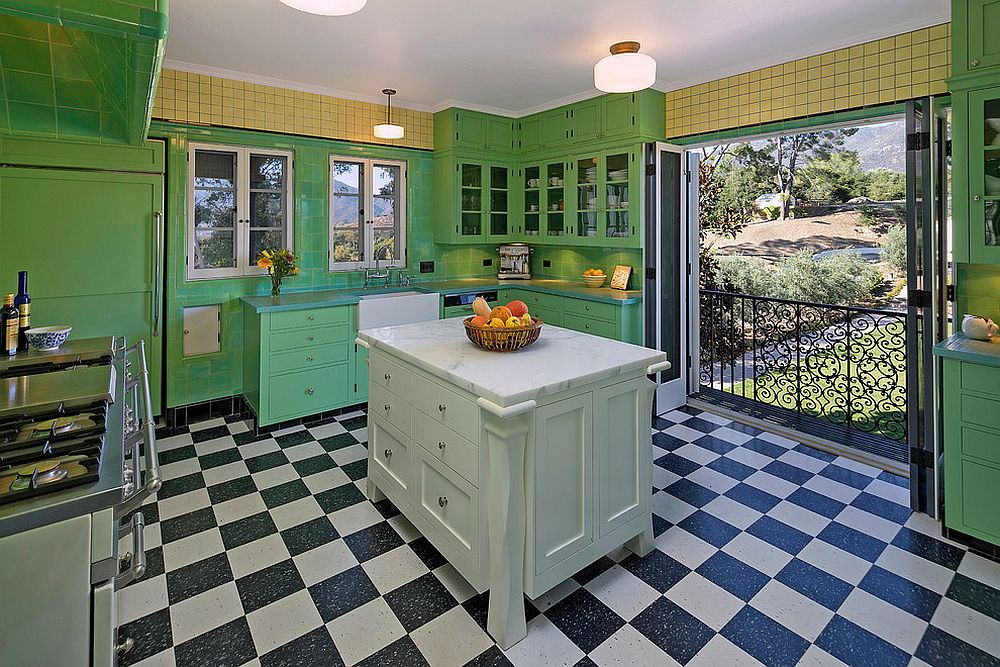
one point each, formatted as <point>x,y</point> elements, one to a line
<point>978,291</point>
<point>216,375</point>
<point>570,263</point>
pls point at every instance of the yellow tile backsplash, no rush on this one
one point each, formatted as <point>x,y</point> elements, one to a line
<point>188,97</point>
<point>883,71</point>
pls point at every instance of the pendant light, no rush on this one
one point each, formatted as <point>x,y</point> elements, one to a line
<point>387,130</point>
<point>327,7</point>
<point>625,70</point>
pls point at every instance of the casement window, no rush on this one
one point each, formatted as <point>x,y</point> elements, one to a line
<point>239,202</point>
<point>367,213</point>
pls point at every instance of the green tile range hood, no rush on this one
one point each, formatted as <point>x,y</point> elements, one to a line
<point>80,69</point>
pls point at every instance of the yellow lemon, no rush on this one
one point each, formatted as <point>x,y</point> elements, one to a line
<point>496,322</point>
<point>513,322</point>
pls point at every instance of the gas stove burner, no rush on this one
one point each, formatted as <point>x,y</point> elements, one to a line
<point>48,425</point>
<point>41,467</point>
<point>53,475</point>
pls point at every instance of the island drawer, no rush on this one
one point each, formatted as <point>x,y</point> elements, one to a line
<point>584,308</point>
<point>977,377</point>
<point>447,446</point>
<point>390,375</point>
<point>292,340</point>
<point>449,504</point>
<point>390,407</point>
<point>390,455</point>
<point>312,317</point>
<point>309,357</point>
<point>307,392</point>
<point>981,444</point>
<point>449,409</point>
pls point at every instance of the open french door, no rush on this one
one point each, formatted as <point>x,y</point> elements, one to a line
<point>926,280</point>
<point>669,264</point>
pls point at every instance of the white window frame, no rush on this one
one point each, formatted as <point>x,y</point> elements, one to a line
<point>367,228</point>
<point>242,228</point>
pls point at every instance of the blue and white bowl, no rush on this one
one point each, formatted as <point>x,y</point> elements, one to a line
<point>47,338</point>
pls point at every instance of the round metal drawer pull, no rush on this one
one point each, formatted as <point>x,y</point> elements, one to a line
<point>312,317</point>
<point>442,407</point>
<point>442,445</point>
<point>976,197</point>
<point>309,358</point>
<point>974,63</point>
<point>387,376</point>
<point>387,453</point>
<point>442,501</point>
<point>310,338</point>
<point>387,407</point>
<point>310,391</point>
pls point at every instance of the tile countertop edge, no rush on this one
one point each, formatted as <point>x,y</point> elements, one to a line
<point>547,388</point>
<point>961,347</point>
<point>345,297</point>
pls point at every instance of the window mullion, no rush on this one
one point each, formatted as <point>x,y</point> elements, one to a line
<point>369,208</point>
<point>243,196</point>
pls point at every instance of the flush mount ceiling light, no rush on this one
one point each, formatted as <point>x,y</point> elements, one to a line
<point>387,130</point>
<point>625,70</point>
<point>327,7</point>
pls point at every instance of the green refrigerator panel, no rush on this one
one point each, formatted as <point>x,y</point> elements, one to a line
<point>89,242</point>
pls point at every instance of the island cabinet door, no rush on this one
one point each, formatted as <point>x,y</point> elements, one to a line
<point>564,480</point>
<point>623,457</point>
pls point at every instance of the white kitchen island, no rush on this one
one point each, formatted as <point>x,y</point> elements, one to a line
<point>520,468</point>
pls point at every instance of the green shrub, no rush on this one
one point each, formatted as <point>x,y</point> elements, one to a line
<point>885,185</point>
<point>894,249</point>
<point>840,279</point>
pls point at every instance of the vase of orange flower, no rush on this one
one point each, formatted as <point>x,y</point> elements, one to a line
<point>278,264</point>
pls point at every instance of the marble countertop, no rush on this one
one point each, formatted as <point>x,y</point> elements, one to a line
<point>961,347</point>
<point>561,359</point>
<point>346,297</point>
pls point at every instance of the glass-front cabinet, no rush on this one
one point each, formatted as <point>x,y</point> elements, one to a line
<point>555,200</point>
<point>501,222</point>
<point>604,211</point>
<point>471,184</point>
<point>534,202</point>
<point>984,176</point>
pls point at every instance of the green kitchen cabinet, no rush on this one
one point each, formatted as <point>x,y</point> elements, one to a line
<point>975,36</point>
<point>972,448</point>
<point>609,320</point>
<point>502,220</point>
<point>980,195</point>
<point>500,135</point>
<point>554,130</point>
<point>476,201</point>
<point>585,121</point>
<point>300,362</point>
<point>532,201</point>
<point>529,134</point>
<point>472,131</point>
<point>554,225</point>
<point>605,208</point>
<point>92,243</point>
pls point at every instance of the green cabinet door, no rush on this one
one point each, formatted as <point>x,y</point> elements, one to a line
<point>532,201</point>
<point>553,130</point>
<point>585,121</point>
<point>529,132</point>
<point>554,225</point>
<point>617,115</point>
<point>500,135</point>
<point>984,175</point>
<point>620,205</point>
<point>983,34</point>
<point>89,242</point>
<point>471,189</point>
<point>499,215</point>
<point>587,195</point>
<point>470,130</point>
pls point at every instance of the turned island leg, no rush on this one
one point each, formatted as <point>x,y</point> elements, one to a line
<point>507,431</point>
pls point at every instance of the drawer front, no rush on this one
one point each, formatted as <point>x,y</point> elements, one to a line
<point>449,409</point>
<point>979,497</point>
<point>309,357</point>
<point>592,326</point>
<point>389,454</point>
<point>981,411</point>
<point>389,407</point>
<point>540,300</point>
<point>584,308</point>
<point>448,503</point>
<point>313,317</point>
<point>447,446</point>
<point>458,311</point>
<point>547,315</point>
<point>390,375</point>
<point>308,392</point>
<point>976,377</point>
<point>299,338</point>
<point>981,444</point>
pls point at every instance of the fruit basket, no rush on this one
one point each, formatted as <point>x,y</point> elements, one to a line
<point>594,281</point>
<point>502,339</point>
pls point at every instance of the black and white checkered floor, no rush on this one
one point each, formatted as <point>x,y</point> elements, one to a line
<point>264,550</point>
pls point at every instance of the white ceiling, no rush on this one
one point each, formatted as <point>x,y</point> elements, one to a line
<point>514,56</point>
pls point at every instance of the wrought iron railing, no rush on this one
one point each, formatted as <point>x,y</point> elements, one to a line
<point>842,364</point>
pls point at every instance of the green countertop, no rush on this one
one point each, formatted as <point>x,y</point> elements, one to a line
<point>959,346</point>
<point>346,297</point>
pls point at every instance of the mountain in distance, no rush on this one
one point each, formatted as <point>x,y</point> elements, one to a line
<point>347,216</point>
<point>880,146</point>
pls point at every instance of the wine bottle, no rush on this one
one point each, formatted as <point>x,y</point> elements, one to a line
<point>9,323</point>
<point>23,303</point>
